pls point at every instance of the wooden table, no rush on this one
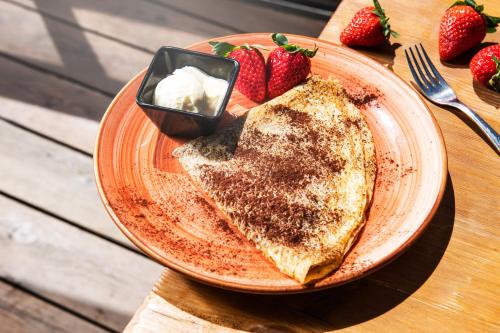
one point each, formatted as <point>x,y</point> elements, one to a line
<point>64,266</point>
<point>448,281</point>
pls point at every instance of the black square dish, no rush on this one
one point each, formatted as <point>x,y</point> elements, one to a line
<point>177,122</point>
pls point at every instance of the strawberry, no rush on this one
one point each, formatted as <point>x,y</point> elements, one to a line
<point>251,80</point>
<point>462,27</point>
<point>368,27</point>
<point>287,66</point>
<point>485,66</point>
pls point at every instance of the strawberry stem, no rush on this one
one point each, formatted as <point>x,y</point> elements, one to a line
<point>282,41</point>
<point>491,21</point>
<point>494,82</point>
<point>384,20</point>
<point>279,39</point>
<point>222,49</point>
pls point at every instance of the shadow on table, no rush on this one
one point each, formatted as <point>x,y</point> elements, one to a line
<point>335,308</point>
<point>487,95</point>
<point>82,62</point>
<point>48,308</point>
<point>384,54</point>
<point>463,60</point>
<point>469,122</point>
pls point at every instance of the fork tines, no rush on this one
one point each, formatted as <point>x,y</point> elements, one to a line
<point>426,81</point>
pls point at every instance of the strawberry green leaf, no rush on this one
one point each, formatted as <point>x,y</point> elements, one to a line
<point>494,82</point>
<point>459,3</point>
<point>496,61</point>
<point>222,49</point>
<point>384,20</point>
<point>491,23</point>
<point>470,3</point>
<point>290,48</point>
<point>279,39</point>
<point>258,46</point>
<point>282,41</point>
<point>247,46</point>
<point>310,53</point>
<point>394,34</point>
<point>379,11</point>
<point>495,20</point>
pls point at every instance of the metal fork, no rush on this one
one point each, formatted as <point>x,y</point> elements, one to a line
<point>435,88</point>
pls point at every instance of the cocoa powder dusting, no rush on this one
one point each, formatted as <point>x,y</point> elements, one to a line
<point>407,171</point>
<point>257,196</point>
<point>163,232</point>
<point>362,95</point>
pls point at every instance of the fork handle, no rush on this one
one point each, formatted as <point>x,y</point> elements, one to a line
<point>483,125</point>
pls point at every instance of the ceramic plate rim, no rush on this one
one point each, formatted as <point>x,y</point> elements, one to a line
<point>277,290</point>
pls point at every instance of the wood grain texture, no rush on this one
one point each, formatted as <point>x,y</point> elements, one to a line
<point>151,24</point>
<point>61,110</point>
<point>52,177</point>
<point>69,51</point>
<point>151,199</point>
<point>107,64</point>
<point>250,16</point>
<point>145,24</point>
<point>157,315</point>
<point>72,268</point>
<point>64,105</point>
<point>448,281</point>
<point>23,313</point>
<point>472,163</point>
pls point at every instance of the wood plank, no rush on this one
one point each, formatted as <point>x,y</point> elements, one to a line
<point>21,312</point>
<point>466,279</point>
<point>323,4</point>
<point>59,98</point>
<point>153,23</point>
<point>80,271</point>
<point>54,178</point>
<point>250,16</point>
<point>181,305</point>
<point>447,281</point>
<point>146,24</point>
<point>106,64</point>
<point>413,293</point>
<point>48,105</point>
<point>68,51</point>
<point>457,74</point>
<point>157,315</point>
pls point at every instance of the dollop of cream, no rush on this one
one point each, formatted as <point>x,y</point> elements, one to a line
<point>191,89</point>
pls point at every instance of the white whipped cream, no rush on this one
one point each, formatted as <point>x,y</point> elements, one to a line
<point>191,89</point>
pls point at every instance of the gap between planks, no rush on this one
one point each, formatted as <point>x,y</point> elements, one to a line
<point>198,26</point>
<point>62,184</point>
<point>56,74</point>
<point>44,302</point>
<point>72,269</point>
<point>62,32</point>
<point>45,136</point>
<point>44,211</point>
<point>79,27</point>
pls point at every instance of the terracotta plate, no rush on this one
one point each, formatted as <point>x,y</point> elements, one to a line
<point>152,201</point>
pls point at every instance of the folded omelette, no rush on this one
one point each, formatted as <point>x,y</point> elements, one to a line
<point>295,175</point>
